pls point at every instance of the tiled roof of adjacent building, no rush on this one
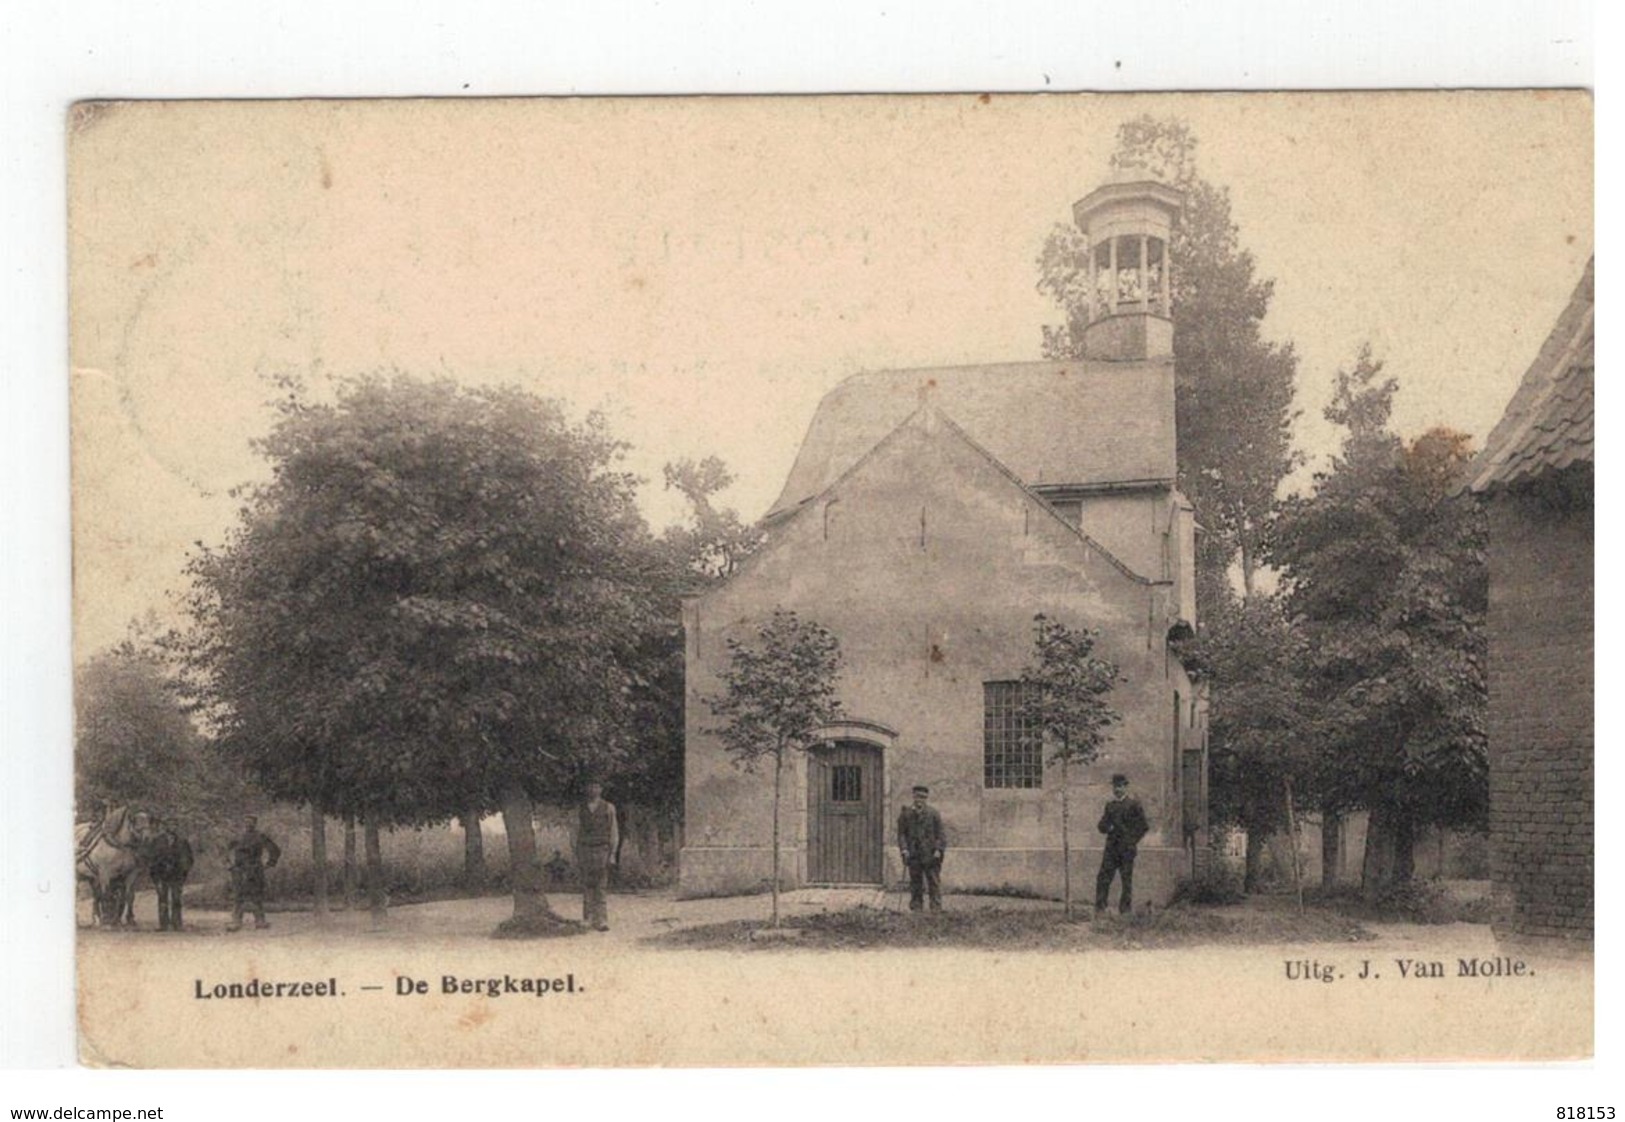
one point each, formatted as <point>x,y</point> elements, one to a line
<point>1051,423</point>
<point>1549,423</point>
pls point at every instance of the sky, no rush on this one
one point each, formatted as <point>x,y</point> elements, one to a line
<point>702,271</point>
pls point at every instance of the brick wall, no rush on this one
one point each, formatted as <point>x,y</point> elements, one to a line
<point>1541,716</point>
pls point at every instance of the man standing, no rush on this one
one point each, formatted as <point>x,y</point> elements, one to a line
<point>141,822</point>
<point>1124,824</point>
<point>598,835</point>
<point>169,866</point>
<point>922,842</point>
<point>251,853</point>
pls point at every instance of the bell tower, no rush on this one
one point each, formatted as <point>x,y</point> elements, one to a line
<point>1127,225</point>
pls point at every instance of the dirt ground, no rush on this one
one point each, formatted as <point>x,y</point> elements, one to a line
<point>638,918</point>
<point>633,917</point>
<point>407,995</point>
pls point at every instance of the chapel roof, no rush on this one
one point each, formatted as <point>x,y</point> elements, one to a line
<point>1073,423</point>
<point>1549,423</point>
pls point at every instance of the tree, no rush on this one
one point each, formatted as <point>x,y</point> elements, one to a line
<point>1233,389</point>
<point>133,742</point>
<point>428,611</point>
<point>1384,572</point>
<point>715,542</point>
<point>1262,732</point>
<point>777,696</point>
<point>474,874</point>
<point>1064,694</point>
<point>690,557</point>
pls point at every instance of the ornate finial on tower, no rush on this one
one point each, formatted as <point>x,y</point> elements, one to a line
<point>1127,224</point>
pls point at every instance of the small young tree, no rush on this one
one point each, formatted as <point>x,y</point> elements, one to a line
<point>779,694</point>
<point>1063,702</point>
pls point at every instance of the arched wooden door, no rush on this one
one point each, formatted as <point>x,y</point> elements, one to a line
<point>846,832</point>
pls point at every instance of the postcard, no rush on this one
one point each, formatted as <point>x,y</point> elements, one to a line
<point>838,580</point>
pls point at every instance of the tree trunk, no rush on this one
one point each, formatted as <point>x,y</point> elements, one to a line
<point>1404,851</point>
<point>1066,843</point>
<point>318,859</point>
<point>524,871</point>
<point>473,850</point>
<point>1257,842</point>
<point>626,819</point>
<point>668,831</point>
<point>639,855</point>
<point>1248,568</point>
<point>349,862</point>
<point>375,873</point>
<point>1390,853</point>
<point>1292,835</point>
<point>1331,849</point>
<point>778,772</point>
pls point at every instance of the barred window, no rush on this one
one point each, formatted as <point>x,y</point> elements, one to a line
<point>1010,756</point>
<point>846,783</point>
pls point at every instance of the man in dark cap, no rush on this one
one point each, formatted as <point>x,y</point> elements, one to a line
<point>251,853</point>
<point>169,865</point>
<point>922,842</point>
<point>1124,824</point>
<point>597,838</point>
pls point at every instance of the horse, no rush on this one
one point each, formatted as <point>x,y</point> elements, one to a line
<point>108,857</point>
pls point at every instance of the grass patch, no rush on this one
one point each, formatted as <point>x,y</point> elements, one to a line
<point>761,889</point>
<point>1216,884</point>
<point>542,925</point>
<point>1006,891</point>
<point>1424,902</point>
<point>993,928</point>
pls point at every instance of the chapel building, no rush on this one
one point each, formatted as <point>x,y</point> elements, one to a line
<point>929,516</point>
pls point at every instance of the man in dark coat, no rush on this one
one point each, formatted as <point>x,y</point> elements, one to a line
<point>922,842</point>
<point>597,839</point>
<point>1124,824</point>
<point>250,854</point>
<point>169,865</point>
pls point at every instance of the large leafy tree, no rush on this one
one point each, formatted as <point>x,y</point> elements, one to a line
<point>1234,388</point>
<point>697,553</point>
<point>134,743</point>
<point>1262,730</point>
<point>431,609</point>
<point>1384,574</point>
<point>1064,701</point>
<point>776,696</point>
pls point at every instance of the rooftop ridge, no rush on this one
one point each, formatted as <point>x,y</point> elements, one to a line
<point>1524,441</point>
<point>1074,422</point>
